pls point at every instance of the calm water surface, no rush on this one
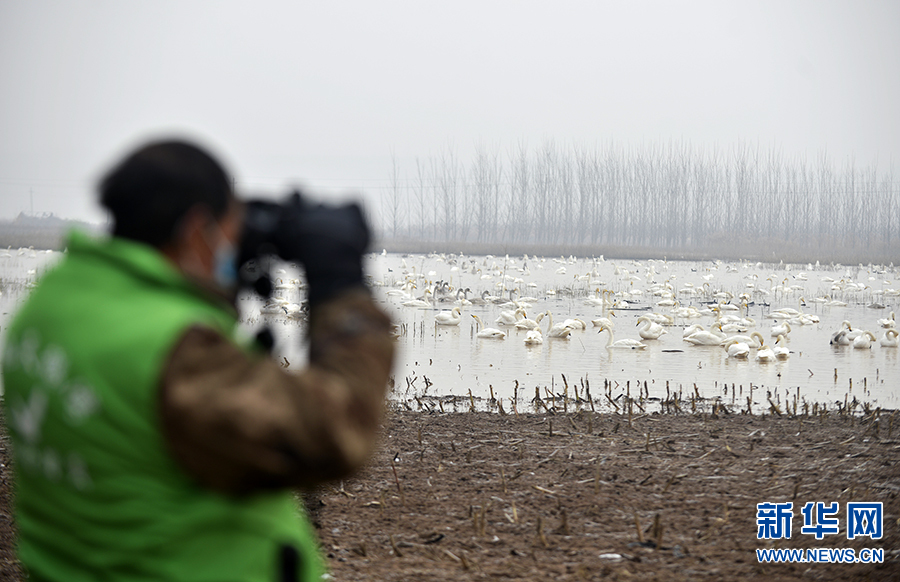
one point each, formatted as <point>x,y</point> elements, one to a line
<point>455,361</point>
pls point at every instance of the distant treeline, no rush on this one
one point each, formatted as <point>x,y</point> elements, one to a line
<point>660,199</point>
<point>45,232</point>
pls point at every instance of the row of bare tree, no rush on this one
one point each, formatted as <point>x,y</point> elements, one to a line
<point>668,196</point>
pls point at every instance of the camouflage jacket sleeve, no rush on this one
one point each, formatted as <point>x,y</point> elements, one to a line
<point>239,422</point>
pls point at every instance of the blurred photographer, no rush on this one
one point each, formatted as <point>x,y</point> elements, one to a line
<point>150,442</point>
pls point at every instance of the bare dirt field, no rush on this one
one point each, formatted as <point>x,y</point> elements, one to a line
<point>584,496</point>
<point>473,496</point>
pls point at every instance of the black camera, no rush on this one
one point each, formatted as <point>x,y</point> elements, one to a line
<point>328,241</point>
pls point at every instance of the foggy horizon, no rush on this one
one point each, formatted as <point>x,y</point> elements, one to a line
<point>331,97</point>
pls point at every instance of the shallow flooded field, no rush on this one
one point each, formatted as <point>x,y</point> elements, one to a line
<point>451,360</point>
<point>455,360</point>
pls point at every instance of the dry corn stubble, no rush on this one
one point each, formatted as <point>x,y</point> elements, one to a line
<point>692,479</point>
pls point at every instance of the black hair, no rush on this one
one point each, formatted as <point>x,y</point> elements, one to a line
<point>151,190</point>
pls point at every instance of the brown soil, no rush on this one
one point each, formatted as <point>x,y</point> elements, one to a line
<point>538,497</point>
<point>9,565</point>
<point>473,496</point>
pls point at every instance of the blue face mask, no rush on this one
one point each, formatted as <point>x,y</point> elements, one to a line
<point>225,266</point>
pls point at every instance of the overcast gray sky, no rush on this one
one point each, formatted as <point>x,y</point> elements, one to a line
<point>322,94</point>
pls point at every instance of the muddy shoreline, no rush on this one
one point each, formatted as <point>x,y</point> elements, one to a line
<point>589,496</point>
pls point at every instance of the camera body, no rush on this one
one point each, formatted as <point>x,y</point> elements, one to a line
<point>328,241</point>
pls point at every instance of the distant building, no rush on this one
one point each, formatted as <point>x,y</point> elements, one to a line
<point>46,231</point>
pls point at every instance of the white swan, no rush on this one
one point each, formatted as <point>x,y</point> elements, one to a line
<point>839,338</point>
<point>630,344</point>
<point>560,330</point>
<point>275,306</point>
<point>755,340</point>
<point>758,339</point>
<point>534,337</point>
<point>779,315</point>
<point>575,323</point>
<point>463,301</point>
<point>781,352</point>
<point>405,292</point>
<point>596,300</point>
<point>888,322</point>
<point>688,312</point>
<point>692,329</point>
<point>651,329</point>
<point>705,338</point>
<point>808,319</point>
<point>783,329</point>
<point>733,327</point>
<point>488,332</point>
<point>788,312</point>
<point>765,354</point>
<point>863,341</point>
<point>421,302</point>
<point>660,318</point>
<point>890,339</point>
<point>452,317</point>
<point>736,349</point>
<point>510,317</point>
<point>727,307</point>
<point>605,321</point>
<point>854,333</point>
<point>529,324</point>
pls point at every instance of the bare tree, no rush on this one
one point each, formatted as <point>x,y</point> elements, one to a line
<point>395,207</point>
<point>664,196</point>
<point>421,225</point>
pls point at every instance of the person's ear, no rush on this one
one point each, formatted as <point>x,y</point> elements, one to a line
<point>189,247</point>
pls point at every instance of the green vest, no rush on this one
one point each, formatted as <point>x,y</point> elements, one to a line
<point>97,495</point>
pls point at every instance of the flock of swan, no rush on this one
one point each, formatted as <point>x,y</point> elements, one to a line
<point>661,302</point>
<point>532,301</point>
<point>514,292</point>
<point>471,322</point>
<point>489,319</point>
<point>652,327</point>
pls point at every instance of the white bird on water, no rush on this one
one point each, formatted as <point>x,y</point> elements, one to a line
<point>863,341</point>
<point>629,344</point>
<point>575,323</point>
<point>737,349</point>
<point>840,337</point>
<point>604,321</point>
<point>420,302</point>
<point>534,337</point>
<point>692,329</point>
<point>755,340</point>
<point>530,324</point>
<point>510,317</point>
<point>651,329</point>
<point>890,339</point>
<point>488,332</point>
<point>705,338</point>
<point>781,352</point>
<point>596,300</point>
<point>783,329</point>
<point>765,354</point>
<point>452,317</point>
<point>560,330</point>
<point>660,318</point>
